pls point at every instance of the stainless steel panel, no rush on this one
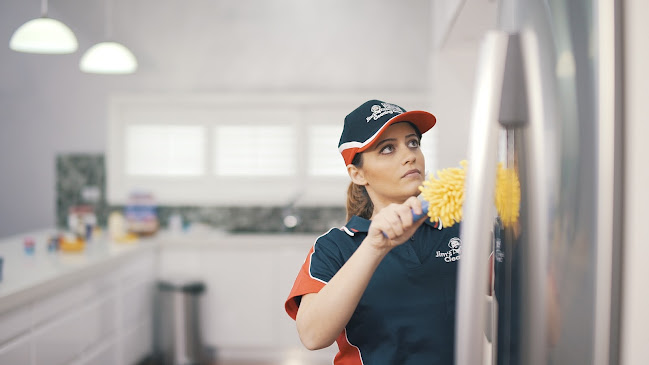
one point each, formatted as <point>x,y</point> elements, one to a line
<point>560,264</point>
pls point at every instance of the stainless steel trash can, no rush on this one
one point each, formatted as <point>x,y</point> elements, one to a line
<point>178,339</point>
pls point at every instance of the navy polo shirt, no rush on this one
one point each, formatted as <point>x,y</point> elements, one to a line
<point>508,293</point>
<point>407,313</point>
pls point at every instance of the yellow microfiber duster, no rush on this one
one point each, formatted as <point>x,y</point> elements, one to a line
<point>508,195</point>
<point>445,195</point>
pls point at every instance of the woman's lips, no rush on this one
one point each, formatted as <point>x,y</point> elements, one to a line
<point>412,173</point>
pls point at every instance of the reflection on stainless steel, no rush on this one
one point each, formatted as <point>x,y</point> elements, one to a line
<point>556,270</point>
<point>609,178</point>
<point>481,176</point>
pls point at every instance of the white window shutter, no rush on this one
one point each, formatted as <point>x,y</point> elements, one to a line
<point>165,150</point>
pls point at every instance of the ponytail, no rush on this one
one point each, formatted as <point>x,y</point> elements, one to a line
<point>358,200</point>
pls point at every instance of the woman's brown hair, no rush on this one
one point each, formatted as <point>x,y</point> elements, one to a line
<point>358,201</point>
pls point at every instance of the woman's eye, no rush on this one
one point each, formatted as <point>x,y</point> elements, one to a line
<point>413,143</point>
<point>387,149</point>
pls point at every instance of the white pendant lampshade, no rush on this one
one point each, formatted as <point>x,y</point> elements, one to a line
<point>108,58</point>
<point>44,35</point>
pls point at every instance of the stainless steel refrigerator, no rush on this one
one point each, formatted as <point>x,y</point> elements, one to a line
<point>547,108</point>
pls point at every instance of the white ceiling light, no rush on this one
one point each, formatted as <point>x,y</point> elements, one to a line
<point>44,35</point>
<point>108,57</point>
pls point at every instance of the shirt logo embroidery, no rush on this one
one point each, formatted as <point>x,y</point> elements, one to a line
<point>378,111</point>
<point>453,254</point>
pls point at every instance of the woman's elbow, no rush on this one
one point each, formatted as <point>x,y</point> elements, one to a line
<point>315,332</point>
<point>312,344</point>
<point>311,339</point>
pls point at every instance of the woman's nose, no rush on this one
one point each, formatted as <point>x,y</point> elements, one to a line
<point>409,156</point>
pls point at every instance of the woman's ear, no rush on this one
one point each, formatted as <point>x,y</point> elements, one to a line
<point>356,175</point>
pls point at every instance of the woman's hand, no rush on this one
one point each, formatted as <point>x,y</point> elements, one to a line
<point>393,225</point>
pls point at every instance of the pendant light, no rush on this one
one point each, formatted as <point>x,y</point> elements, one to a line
<point>108,57</point>
<point>44,35</point>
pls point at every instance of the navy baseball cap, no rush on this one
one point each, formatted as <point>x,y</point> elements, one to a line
<point>367,122</point>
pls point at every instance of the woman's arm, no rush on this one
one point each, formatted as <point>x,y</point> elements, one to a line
<point>322,316</point>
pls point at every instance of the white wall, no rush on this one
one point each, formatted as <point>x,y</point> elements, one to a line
<point>459,29</point>
<point>453,80</point>
<point>47,106</point>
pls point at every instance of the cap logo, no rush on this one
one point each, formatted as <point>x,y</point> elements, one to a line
<point>387,108</point>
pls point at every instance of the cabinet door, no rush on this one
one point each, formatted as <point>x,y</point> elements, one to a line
<point>287,264</point>
<point>237,307</point>
<point>17,352</point>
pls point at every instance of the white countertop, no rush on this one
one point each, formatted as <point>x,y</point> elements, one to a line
<point>219,240</point>
<point>28,276</point>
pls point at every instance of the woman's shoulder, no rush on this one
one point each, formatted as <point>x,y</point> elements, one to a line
<point>436,225</point>
<point>351,233</point>
<point>333,234</point>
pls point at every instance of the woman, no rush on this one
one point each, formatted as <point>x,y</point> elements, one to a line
<point>382,286</point>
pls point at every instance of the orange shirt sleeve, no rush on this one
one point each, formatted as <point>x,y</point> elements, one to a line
<point>304,284</point>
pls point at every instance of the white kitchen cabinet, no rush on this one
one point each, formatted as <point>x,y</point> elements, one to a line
<point>14,323</point>
<point>102,312</point>
<point>238,300</point>
<point>16,352</point>
<point>70,334</point>
<point>107,354</point>
<point>136,341</point>
<point>81,308</point>
<point>247,278</point>
<point>287,264</point>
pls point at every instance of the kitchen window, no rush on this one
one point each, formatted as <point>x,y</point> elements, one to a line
<point>255,150</point>
<point>165,150</point>
<point>323,156</point>
<point>233,150</point>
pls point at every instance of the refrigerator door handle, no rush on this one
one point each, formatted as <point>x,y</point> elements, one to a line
<point>478,208</point>
<point>539,162</point>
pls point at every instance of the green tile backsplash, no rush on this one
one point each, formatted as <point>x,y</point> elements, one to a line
<point>81,179</point>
